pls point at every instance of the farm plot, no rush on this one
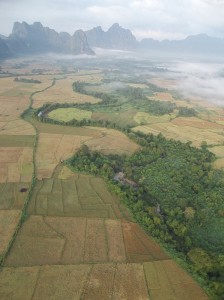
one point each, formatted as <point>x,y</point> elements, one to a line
<point>139,246</point>
<point>75,196</point>
<point>14,97</point>
<point>99,281</point>
<point>219,163</point>
<point>162,96</point>
<point>167,281</point>
<point>17,140</point>
<point>16,164</point>
<point>197,123</point>
<point>16,127</point>
<point>8,222</point>
<point>145,118</point>
<point>184,133</point>
<point>53,148</point>
<point>13,195</point>
<point>113,141</point>
<point>219,152</point>
<point>62,92</point>
<point>70,240</point>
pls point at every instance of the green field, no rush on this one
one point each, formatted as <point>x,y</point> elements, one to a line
<point>70,113</point>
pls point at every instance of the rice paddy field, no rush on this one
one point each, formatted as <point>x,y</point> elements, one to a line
<point>77,240</point>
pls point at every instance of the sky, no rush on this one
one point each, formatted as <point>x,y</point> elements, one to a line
<point>158,19</point>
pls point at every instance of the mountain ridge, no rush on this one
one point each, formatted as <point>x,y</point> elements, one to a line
<point>37,39</point>
<point>116,37</point>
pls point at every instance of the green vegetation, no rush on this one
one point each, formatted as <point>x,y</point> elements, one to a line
<point>121,100</point>
<point>25,80</point>
<point>70,113</point>
<point>178,200</point>
<point>187,112</point>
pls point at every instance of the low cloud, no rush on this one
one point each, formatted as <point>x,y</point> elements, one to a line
<point>147,18</point>
<point>203,80</point>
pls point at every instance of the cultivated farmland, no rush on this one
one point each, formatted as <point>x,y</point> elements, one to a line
<point>62,92</point>
<point>76,239</point>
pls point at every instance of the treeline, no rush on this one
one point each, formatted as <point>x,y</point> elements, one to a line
<point>25,80</point>
<point>42,115</point>
<point>79,87</point>
<point>179,197</point>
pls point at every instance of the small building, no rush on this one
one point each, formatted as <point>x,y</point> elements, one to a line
<point>40,114</point>
<point>120,177</point>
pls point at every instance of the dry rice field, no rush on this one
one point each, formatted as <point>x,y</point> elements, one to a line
<point>95,258</point>
<point>162,96</point>
<point>76,240</point>
<point>63,252</point>
<point>149,281</point>
<point>185,131</point>
<point>62,92</point>
<point>16,164</point>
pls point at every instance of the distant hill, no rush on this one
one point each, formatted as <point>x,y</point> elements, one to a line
<point>194,44</point>
<point>36,39</point>
<point>4,50</point>
<point>115,38</point>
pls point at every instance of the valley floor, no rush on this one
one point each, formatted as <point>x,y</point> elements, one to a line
<point>77,240</point>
